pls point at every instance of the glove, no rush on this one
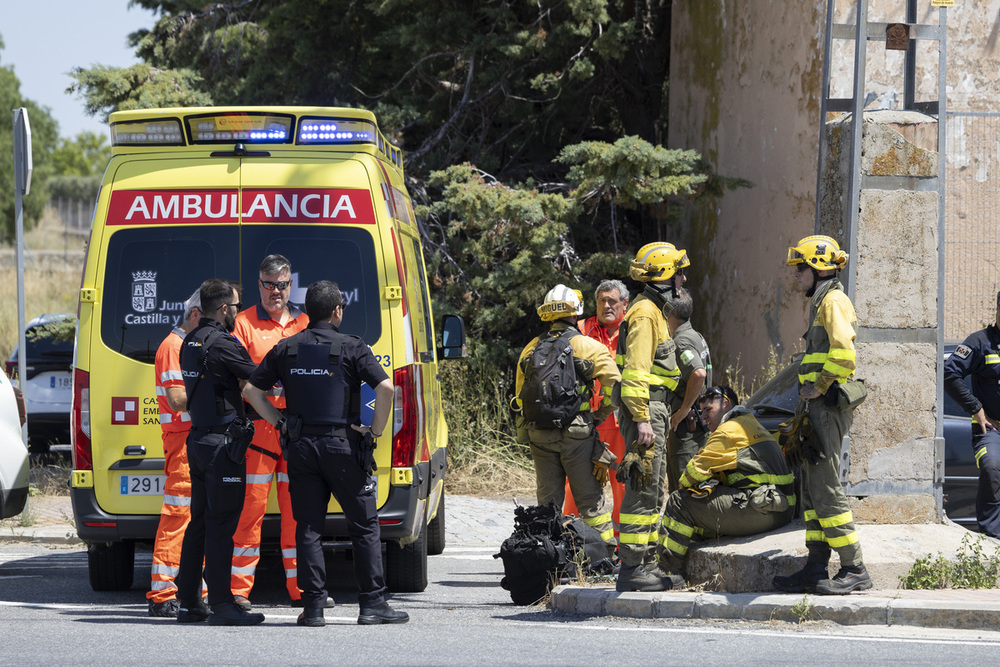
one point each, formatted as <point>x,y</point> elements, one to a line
<point>636,467</point>
<point>601,474</point>
<point>704,488</point>
<point>791,434</point>
<point>366,454</point>
<point>604,460</point>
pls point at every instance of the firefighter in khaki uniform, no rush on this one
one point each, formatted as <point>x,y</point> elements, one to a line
<point>737,484</point>
<point>829,362</point>
<point>572,452</point>
<point>175,423</point>
<point>259,328</point>
<point>649,374</point>
<point>688,432</point>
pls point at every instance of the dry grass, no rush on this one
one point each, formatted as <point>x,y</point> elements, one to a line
<point>52,268</point>
<point>488,477</point>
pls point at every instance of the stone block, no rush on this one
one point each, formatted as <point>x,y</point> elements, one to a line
<point>897,260</point>
<point>913,508</point>
<point>718,605</point>
<point>674,605</point>
<point>590,601</point>
<point>635,605</point>
<point>972,615</point>
<point>889,144</point>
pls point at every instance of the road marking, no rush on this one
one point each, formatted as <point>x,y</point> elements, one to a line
<point>57,606</point>
<point>811,637</point>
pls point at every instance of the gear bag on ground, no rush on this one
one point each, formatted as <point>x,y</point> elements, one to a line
<point>546,548</point>
<point>550,396</point>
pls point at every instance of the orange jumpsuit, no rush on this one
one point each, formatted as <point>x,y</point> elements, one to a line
<point>176,511</point>
<point>259,333</point>
<point>608,429</point>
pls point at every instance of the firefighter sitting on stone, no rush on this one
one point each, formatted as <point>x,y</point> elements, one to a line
<point>737,484</point>
<point>554,375</point>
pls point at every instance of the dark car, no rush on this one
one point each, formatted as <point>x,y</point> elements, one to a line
<point>48,382</point>
<point>775,402</point>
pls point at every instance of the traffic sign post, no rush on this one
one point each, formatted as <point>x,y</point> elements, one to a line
<point>22,185</point>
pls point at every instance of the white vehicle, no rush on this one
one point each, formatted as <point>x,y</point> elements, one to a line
<point>48,383</point>
<point>13,453</point>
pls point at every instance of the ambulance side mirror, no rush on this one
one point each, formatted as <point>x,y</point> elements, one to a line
<point>452,338</point>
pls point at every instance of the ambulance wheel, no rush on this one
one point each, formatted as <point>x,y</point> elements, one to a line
<point>435,531</point>
<point>111,566</point>
<point>406,567</point>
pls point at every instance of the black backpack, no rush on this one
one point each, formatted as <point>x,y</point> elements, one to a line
<point>550,395</point>
<point>547,548</point>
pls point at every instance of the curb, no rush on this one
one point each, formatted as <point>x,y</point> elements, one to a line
<point>44,536</point>
<point>866,609</point>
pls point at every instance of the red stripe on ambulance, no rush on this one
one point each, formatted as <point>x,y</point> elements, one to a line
<point>289,205</point>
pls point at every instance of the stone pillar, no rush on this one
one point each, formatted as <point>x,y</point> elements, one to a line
<point>893,472</point>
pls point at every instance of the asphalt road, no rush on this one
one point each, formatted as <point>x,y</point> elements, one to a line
<point>49,615</point>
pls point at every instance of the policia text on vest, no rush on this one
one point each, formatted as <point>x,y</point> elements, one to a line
<point>322,371</point>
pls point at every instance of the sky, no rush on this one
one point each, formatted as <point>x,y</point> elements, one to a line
<point>45,39</point>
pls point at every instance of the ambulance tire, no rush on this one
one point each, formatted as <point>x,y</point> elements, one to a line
<point>435,531</point>
<point>111,566</point>
<point>406,567</point>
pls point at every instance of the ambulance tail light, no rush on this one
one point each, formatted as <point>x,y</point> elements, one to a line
<point>404,418</point>
<point>80,431</point>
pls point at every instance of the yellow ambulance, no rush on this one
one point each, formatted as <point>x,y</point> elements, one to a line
<point>196,193</point>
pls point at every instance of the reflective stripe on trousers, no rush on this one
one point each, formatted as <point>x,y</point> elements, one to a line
<point>261,471</point>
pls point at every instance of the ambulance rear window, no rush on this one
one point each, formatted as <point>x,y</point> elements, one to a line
<point>345,255</point>
<point>151,272</point>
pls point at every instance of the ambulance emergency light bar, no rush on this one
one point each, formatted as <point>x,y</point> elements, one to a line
<point>247,127</point>
<point>217,128</point>
<point>315,130</point>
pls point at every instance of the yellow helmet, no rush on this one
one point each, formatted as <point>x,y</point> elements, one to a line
<point>657,261</point>
<point>560,302</point>
<point>820,252</point>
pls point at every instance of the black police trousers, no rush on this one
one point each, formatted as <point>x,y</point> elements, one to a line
<point>319,465</point>
<point>986,448</point>
<point>218,487</point>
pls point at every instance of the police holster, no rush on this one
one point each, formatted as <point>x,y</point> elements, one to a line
<point>238,438</point>
<point>693,422</point>
<point>366,454</point>
<point>292,432</point>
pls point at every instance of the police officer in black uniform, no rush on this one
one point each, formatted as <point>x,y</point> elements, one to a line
<point>213,364</point>
<point>979,356</point>
<point>321,371</point>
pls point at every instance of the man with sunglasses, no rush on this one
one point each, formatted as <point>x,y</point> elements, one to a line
<point>260,328</point>
<point>214,366</point>
<point>825,419</point>
<point>737,484</point>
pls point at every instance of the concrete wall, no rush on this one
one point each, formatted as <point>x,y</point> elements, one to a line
<point>744,91</point>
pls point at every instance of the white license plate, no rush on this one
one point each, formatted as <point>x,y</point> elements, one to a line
<point>143,485</point>
<point>61,382</point>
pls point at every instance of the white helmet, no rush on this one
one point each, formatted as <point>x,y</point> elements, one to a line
<point>560,302</point>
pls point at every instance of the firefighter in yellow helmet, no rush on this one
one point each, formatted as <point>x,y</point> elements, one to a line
<point>555,373</point>
<point>823,417</point>
<point>649,375</point>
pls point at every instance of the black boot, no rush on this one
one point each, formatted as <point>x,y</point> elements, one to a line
<point>803,581</point>
<point>849,579</point>
<point>194,612</point>
<point>312,618</point>
<point>636,578</point>
<point>229,613</point>
<point>381,613</point>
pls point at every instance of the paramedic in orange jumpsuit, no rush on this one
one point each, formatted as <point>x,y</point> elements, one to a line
<point>612,300</point>
<point>174,425</point>
<point>259,328</point>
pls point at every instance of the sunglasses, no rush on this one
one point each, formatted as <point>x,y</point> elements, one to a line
<point>238,305</point>
<point>280,285</point>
